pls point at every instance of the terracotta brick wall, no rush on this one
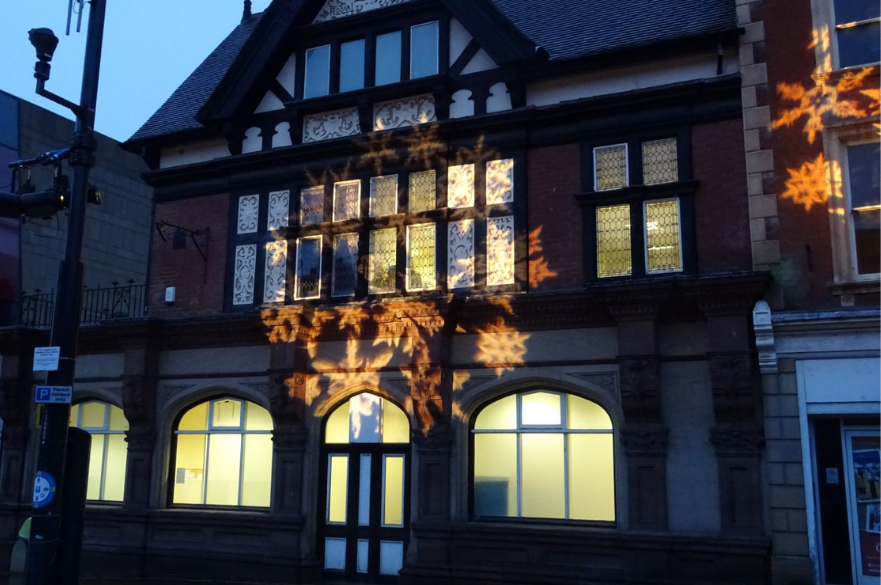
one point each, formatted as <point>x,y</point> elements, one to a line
<point>555,218</point>
<point>200,285</point>
<point>722,209</point>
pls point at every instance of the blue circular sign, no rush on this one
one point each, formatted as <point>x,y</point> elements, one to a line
<point>44,489</point>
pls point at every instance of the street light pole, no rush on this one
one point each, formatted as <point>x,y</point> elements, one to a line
<point>44,542</point>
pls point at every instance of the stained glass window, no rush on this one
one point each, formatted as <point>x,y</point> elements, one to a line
<point>660,162</point>
<point>382,265</point>
<point>500,181</point>
<point>346,200</point>
<point>345,265</point>
<point>613,241</point>
<point>312,205</point>
<point>610,164</point>
<point>308,285</point>
<point>421,257</point>
<point>423,191</point>
<point>500,251</point>
<point>662,236</point>
<point>460,186</point>
<point>383,196</point>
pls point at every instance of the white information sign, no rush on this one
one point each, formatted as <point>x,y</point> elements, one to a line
<point>53,394</point>
<point>46,359</point>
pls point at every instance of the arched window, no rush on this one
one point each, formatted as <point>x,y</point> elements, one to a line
<point>223,454</point>
<point>544,455</point>
<point>107,425</point>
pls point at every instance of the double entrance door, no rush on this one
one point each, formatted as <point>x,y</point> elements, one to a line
<point>366,511</point>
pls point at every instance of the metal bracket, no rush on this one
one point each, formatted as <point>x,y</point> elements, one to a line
<point>168,231</point>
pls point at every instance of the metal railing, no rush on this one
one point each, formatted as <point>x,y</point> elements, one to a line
<point>124,301</point>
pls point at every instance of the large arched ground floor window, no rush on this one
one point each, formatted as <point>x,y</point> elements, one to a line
<point>544,455</point>
<point>107,425</point>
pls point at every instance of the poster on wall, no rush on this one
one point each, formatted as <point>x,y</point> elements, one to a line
<point>866,464</point>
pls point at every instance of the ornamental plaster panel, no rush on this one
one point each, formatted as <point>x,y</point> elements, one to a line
<point>327,125</point>
<point>334,9</point>
<point>407,111</point>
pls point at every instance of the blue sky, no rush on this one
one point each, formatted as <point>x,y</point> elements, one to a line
<point>149,49</point>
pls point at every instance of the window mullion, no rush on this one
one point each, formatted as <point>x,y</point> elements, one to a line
<point>205,469</point>
<point>637,239</point>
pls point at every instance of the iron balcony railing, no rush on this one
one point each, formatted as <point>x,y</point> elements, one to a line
<point>124,301</point>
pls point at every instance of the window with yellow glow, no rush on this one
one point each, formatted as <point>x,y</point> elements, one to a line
<point>223,454</point>
<point>367,418</point>
<point>107,425</point>
<point>544,455</point>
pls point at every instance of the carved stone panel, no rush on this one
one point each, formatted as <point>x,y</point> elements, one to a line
<point>500,251</point>
<point>334,9</point>
<point>248,210</point>
<point>407,111</point>
<point>735,396</point>
<point>279,209</point>
<point>276,269</point>
<point>243,279</point>
<point>460,254</point>
<point>327,125</point>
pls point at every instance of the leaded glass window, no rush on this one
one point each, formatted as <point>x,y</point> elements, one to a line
<point>346,200</point>
<point>421,257</point>
<point>500,181</point>
<point>500,251</point>
<point>610,167</point>
<point>345,265</point>
<point>662,236</point>
<point>613,241</point>
<point>308,278</point>
<point>383,196</point>
<point>382,264</point>
<point>423,191</point>
<point>460,186</point>
<point>312,205</point>
<point>660,162</point>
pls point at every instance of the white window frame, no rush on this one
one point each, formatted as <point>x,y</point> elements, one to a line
<point>626,164</point>
<point>437,48</point>
<point>345,183</point>
<point>434,282</point>
<point>297,268</point>
<point>844,260</point>
<point>823,12</point>
<point>645,235</point>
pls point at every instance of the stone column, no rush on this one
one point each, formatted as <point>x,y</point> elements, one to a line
<point>737,402</point>
<point>139,406</point>
<point>644,435</point>
<point>289,440</point>
<point>432,441</point>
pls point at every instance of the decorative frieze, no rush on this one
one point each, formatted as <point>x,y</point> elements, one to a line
<point>249,206</point>
<point>327,125</point>
<point>500,181</point>
<point>279,209</point>
<point>243,279</point>
<point>334,9</point>
<point>644,439</point>
<point>276,268</point>
<point>460,186</point>
<point>738,440</point>
<point>460,254</point>
<point>500,251</point>
<point>407,111</point>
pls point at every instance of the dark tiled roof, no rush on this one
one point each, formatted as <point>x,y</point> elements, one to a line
<point>566,29</point>
<point>569,29</point>
<point>179,112</point>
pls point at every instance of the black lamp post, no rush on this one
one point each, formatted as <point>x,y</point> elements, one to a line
<point>46,544</point>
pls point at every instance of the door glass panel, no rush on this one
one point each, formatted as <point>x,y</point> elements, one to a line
<point>114,467</point>
<point>96,463</point>
<point>591,478</point>
<point>337,484</point>
<point>865,503</point>
<point>495,475</point>
<point>541,409</point>
<point>224,461</point>
<point>391,557</point>
<point>365,419</point>
<point>335,554</point>
<point>395,424</point>
<point>189,472</point>
<point>363,552</point>
<point>364,491</point>
<point>393,491</point>
<point>542,476</point>
<point>258,469</point>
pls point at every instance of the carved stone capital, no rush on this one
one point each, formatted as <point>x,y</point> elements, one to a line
<point>739,441</point>
<point>439,439</point>
<point>428,404</point>
<point>139,401</point>
<point>735,392</point>
<point>141,437</point>
<point>640,388</point>
<point>285,397</point>
<point>289,439</point>
<point>644,439</point>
